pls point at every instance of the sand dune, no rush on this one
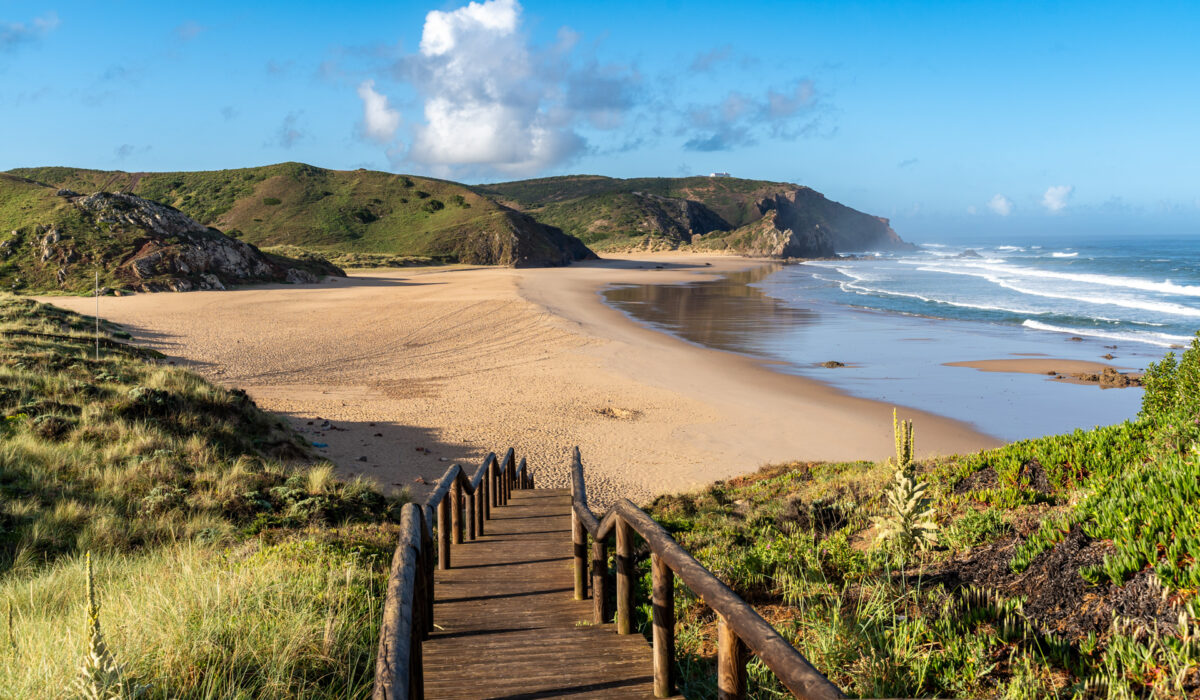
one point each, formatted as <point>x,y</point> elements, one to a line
<point>418,368</point>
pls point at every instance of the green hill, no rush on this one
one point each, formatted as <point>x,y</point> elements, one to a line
<point>715,213</point>
<point>333,211</point>
<point>57,240</point>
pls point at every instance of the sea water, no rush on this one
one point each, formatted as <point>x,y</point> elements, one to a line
<point>896,319</point>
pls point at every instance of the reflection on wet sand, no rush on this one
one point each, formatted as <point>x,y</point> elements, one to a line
<point>727,314</point>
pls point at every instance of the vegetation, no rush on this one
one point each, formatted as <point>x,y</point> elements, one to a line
<point>335,212</point>
<point>229,563</point>
<point>54,243</point>
<point>1065,566</point>
<point>614,214</point>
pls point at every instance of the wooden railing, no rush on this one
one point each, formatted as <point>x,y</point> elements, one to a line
<point>462,505</point>
<point>739,628</point>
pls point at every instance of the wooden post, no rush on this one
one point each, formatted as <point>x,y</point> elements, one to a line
<point>443,535</point>
<point>488,493</point>
<point>416,667</point>
<point>456,504</point>
<point>480,497</point>
<point>427,568</point>
<point>625,583</point>
<point>600,582</point>
<point>470,499</point>
<point>579,547</point>
<point>663,603</point>
<point>731,663</point>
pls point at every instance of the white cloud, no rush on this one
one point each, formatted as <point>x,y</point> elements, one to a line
<point>1056,197</point>
<point>972,210</point>
<point>1001,205</point>
<point>380,121</point>
<point>495,103</point>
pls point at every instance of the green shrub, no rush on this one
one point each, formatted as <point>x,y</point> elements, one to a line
<point>272,201</point>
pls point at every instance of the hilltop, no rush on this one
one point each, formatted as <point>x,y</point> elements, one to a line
<point>338,212</point>
<point>751,217</point>
<point>57,240</point>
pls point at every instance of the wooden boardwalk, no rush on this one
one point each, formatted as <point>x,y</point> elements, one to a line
<point>508,624</point>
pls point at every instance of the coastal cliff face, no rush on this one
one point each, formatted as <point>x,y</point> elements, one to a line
<point>769,237</point>
<point>749,217</point>
<point>810,212</point>
<point>60,240</point>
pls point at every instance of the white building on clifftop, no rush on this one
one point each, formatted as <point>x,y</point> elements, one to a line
<point>719,175</point>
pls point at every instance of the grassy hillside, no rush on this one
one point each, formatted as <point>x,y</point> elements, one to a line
<point>610,213</point>
<point>57,241</point>
<point>229,563</point>
<point>1062,567</point>
<point>712,213</point>
<point>332,211</point>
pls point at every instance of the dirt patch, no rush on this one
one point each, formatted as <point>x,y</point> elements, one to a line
<point>1034,474</point>
<point>617,413</point>
<point>985,478</point>
<point>1057,598</point>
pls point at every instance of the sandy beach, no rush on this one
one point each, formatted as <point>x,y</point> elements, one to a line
<point>402,372</point>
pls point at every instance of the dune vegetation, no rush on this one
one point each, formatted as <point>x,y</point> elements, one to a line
<point>1064,566</point>
<point>229,562</point>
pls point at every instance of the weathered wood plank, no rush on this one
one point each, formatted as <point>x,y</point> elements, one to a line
<point>508,624</point>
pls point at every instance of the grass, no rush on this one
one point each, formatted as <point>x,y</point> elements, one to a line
<point>798,542</point>
<point>334,212</point>
<point>49,245</point>
<point>230,562</point>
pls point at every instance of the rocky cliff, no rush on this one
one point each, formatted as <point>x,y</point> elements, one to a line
<point>751,217</point>
<point>60,240</point>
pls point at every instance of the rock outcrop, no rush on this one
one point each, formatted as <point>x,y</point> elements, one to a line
<point>769,237</point>
<point>165,250</point>
<point>812,217</point>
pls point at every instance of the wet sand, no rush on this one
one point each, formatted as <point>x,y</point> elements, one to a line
<point>418,368</point>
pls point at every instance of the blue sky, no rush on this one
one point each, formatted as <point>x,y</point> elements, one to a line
<point>941,115</point>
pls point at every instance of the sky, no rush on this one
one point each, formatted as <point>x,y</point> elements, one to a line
<point>943,116</point>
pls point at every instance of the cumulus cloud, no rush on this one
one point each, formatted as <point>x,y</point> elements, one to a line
<point>380,121</point>
<point>1056,197</point>
<point>1001,205</point>
<point>13,34</point>
<point>494,102</point>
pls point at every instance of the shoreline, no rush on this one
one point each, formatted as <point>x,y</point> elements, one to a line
<point>418,368</point>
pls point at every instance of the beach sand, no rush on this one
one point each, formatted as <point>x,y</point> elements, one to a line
<point>418,368</point>
<point>1059,369</point>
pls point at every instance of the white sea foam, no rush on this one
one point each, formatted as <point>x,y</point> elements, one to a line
<point>1145,285</point>
<point>1057,254</point>
<point>1165,307</point>
<point>861,289</point>
<point>1159,339</point>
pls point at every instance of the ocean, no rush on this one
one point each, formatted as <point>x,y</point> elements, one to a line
<point>1143,291</point>
<point>896,319</point>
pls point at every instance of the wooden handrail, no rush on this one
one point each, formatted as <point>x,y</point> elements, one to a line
<point>455,511</point>
<point>740,627</point>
